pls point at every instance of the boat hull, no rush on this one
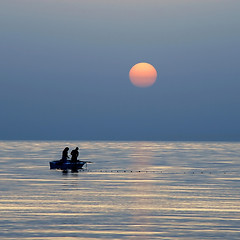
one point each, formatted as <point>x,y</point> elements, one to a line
<point>66,165</point>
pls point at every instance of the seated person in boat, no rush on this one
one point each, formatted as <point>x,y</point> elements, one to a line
<point>65,155</point>
<point>74,154</point>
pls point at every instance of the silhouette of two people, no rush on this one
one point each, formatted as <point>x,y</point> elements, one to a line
<point>74,154</point>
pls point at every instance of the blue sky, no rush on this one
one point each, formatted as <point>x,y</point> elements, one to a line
<point>64,69</point>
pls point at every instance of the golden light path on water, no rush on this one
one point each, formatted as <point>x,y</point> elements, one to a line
<point>133,190</point>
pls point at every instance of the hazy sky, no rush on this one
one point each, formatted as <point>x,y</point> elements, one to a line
<point>64,68</point>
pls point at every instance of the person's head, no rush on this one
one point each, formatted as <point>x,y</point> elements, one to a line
<point>76,148</point>
<point>66,148</point>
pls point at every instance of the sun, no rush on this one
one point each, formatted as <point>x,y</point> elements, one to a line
<point>143,75</point>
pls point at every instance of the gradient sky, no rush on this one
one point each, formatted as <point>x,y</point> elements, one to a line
<point>65,63</point>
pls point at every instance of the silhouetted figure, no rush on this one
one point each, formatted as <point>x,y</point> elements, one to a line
<point>65,154</point>
<point>74,154</point>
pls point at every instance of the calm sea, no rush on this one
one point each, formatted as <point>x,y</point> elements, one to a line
<point>132,190</point>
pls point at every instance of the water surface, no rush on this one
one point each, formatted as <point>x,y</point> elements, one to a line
<point>132,190</point>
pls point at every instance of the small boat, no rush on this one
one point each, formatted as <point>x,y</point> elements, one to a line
<point>74,166</point>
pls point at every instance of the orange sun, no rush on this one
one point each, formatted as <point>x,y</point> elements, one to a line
<point>143,75</point>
